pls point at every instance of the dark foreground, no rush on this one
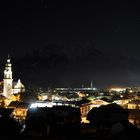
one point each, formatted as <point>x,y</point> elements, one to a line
<point>86,133</point>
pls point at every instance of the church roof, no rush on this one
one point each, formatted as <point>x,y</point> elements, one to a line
<point>16,85</point>
<point>13,104</point>
<point>16,104</point>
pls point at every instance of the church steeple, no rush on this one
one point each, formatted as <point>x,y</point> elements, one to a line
<point>8,69</point>
<point>8,81</point>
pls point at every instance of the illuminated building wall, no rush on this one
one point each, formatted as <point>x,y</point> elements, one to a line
<point>10,87</point>
<point>7,87</point>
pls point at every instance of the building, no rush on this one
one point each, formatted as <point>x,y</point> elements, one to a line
<point>9,87</point>
<point>134,117</point>
<point>19,110</point>
<point>87,106</point>
<point>134,104</point>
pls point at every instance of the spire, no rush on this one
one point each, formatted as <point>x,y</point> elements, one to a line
<point>91,84</point>
<point>8,69</point>
<point>7,87</point>
<point>8,58</point>
<point>19,81</point>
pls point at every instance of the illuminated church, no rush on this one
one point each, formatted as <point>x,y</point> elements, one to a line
<point>10,88</point>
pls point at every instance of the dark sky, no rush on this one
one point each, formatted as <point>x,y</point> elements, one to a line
<point>72,42</point>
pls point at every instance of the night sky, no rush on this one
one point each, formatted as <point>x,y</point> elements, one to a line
<point>69,43</point>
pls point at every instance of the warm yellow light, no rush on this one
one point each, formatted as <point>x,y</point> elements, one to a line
<point>84,120</point>
<point>130,91</point>
<point>118,89</point>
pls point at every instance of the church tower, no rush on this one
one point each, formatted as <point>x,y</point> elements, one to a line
<point>8,81</point>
